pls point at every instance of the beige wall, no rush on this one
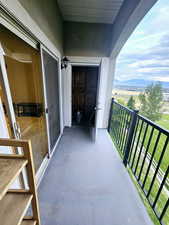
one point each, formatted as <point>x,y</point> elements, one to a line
<point>20,80</point>
<point>25,82</point>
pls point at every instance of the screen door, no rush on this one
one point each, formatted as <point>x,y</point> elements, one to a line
<point>51,85</point>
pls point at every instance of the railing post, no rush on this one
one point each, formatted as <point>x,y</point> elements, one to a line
<point>130,137</point>
<point>110,115</point>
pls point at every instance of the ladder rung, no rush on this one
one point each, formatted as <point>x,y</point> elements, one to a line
<point>9,170</point>
<point>13,208</point>
<point>28,222</point>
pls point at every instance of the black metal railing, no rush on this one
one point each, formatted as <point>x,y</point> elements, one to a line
<point>144,148</point>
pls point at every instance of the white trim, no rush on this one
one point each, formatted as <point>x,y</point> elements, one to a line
<point>7,22</point>
<point>95,128</point>
<point>67,95</point>
<point>8,96</point>
<point>84,64</point>
<point>41,171</point>
<point>45,97</point>
<point>104,84</point>
<point>84,60</point>
<point>56,144</point>
<point>60,96</point>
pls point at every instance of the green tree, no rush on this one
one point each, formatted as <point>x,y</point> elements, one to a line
<point>131,103</point>
<point>151,102</point>
<point>121,101</point>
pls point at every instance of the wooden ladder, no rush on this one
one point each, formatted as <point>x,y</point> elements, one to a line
<point>14,203</point>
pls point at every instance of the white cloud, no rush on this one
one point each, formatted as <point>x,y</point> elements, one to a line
<point>154,70</point>
<point>139,32</point>
<point>142,63</point>
<point>165,79</point>
<point>146,54</point>
<point>150,62</point>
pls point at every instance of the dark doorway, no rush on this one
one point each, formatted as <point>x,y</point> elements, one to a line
<point>84,94</point>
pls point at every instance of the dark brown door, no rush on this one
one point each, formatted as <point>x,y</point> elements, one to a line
<point>84,90</point>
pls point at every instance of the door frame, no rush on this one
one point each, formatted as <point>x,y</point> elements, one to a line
<point>7,93</point>
<point>57,58</point>
<point>97,90</point>
<point>97,108</point>
<point>4,79</point>
<point>78,61</point>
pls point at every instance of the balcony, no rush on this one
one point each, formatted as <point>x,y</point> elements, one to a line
<point>87,183</point>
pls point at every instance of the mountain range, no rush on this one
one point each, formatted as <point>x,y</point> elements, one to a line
<point>139,83</point>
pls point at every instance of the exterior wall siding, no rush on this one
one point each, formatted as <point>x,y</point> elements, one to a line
<point>87,39</point>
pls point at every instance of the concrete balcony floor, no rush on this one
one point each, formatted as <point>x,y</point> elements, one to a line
<point>87,184</point>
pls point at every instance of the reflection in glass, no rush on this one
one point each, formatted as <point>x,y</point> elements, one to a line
<point>25,80</point>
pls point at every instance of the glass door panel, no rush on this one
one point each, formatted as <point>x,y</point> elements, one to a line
<point>25,82</point>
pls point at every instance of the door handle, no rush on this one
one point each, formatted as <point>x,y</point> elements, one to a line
<point>46,110</point>
<point>97,108</point>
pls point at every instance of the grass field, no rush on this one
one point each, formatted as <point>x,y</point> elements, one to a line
<point>161,143</point>
<point>164,121</point>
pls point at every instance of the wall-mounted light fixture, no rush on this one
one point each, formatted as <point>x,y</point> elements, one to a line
<point>64,62</point>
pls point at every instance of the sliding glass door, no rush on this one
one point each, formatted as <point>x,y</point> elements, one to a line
<point>23,85</point>
<point>50,67</point>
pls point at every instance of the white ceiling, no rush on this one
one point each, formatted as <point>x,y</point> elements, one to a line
<point>91,11</point>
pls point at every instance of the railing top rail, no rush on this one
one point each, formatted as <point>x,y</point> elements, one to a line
<point>153,124</point>
<point>131,111</point>
<point>138,147</point>
<point>156,126</point>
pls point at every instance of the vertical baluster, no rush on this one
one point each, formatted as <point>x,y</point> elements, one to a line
<point>141,148</point>
<point>164,210</point>
<point>126,131</point>
<point>110,115</point>
<point>161,187</point>
<point>120,126</point>
<point>146,152</point>
<point>138,139</point>
<point>133,141</point>
<point>123,129</point>
<point>158,166</point>
<point>152,156</point>
<point>132,125</point>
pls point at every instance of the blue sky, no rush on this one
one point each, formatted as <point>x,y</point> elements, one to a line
<point>146,53</point>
